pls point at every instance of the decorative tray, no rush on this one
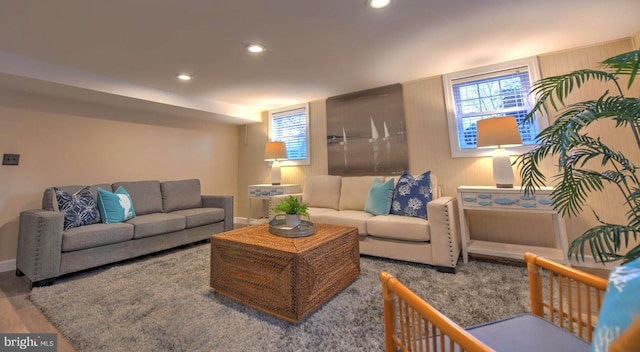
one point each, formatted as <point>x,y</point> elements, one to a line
<point>278,226</point>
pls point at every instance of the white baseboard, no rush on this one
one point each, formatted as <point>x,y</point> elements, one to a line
<point>8,265</point>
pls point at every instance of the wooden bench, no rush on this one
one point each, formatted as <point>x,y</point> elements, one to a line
<point>563,317</point>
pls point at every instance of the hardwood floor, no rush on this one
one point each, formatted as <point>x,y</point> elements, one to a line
<point>19,315</point>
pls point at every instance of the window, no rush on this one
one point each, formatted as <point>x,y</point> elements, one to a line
<point>492,91</point>
<point>291,126</point>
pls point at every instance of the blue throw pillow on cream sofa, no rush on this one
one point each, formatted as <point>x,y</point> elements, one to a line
<point>79,208</point>
<point>379,197</point>
<point>620,306</point>
<point>411,195</point>
<point>115,206</point>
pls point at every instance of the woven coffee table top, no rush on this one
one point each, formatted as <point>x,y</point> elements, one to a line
<point>260,236</point>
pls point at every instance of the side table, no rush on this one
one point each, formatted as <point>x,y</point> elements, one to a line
<point>491,198</point>
<point>264,192</point>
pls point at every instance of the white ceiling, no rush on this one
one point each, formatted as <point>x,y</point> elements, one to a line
<point>128,52</point>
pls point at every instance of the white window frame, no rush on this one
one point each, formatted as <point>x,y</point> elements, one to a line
<point>273,114</point>
<point>531,63</point>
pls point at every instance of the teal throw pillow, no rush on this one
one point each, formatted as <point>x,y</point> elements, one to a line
<point>411,195</point>
<point>621,305</point>
<point>115,206</point>
<point>379,197</point>
<point>79,208</point>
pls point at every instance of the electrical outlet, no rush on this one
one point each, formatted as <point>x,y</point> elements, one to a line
<point>11,159</point>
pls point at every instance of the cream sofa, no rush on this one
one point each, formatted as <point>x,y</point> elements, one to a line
<point>341,200</point>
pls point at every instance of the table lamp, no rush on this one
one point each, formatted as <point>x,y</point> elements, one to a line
<point>499,132</point>
<point>275,151</point>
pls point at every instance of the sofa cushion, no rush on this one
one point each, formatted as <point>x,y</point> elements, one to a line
<point>146,195</point>
<point>315,213</point>
<point>322,191</point>
<point>354,191</point>
<point>399,227</point>
<point>79,208</point>
<point>115,207</point>
<point>95,235</point>
<point>620,306</point>
<point>201,216</point>
<point>411,195</point>
<point>355,218</point>
<point>379,197</point>
<point>156,224</point>
<point>179,195</point>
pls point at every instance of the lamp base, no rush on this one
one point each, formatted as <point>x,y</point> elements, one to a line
<point>276,175</point>
<point>502,170</point>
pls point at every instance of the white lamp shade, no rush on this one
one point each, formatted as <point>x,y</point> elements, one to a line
<point>275,151</point>
<point>499,132</point>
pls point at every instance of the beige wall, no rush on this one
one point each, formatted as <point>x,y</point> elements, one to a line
<point>428,140</point>
<point>61,142</point>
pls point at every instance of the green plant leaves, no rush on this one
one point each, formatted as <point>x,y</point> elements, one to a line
<point>586,164</point>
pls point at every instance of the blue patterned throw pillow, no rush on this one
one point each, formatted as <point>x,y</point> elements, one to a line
<point>115,206</point>
<point>79,208</point>
<point>411,195</point>
<point>620,306</point>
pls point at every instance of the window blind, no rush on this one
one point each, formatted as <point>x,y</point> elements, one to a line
<point>489,95</point>
<point>290,127</point>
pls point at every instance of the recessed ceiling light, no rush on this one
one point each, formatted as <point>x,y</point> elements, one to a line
<point>378,4</point>
<point>255,48</point>
<point>184,77</point>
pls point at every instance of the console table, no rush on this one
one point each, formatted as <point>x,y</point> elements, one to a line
<point>490,198</point>
<point>264,192</point>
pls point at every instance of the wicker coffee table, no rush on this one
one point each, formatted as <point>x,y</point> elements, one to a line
<point>286,277</point>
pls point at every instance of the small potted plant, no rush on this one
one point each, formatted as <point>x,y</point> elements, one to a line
<point>293,210</point>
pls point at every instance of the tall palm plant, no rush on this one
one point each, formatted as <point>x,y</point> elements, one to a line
<point>575,151</point>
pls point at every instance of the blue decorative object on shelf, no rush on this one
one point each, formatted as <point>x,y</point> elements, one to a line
<point>484,196</point>
<point>469,199</point>
<point>528,205</point>
<point>528,197</point>
<point>485,203</point>
<point>545,201</point>
<point>505,201</point>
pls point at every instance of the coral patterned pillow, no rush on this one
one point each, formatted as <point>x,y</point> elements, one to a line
<point>411,195</point>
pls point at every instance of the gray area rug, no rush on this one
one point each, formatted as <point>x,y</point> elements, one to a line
<point>165,303</point>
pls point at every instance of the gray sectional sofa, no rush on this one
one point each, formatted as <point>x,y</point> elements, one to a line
<point>168,214</point>
<point>341,201</point>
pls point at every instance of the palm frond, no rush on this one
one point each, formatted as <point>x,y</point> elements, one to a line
<point>555,89</point>
<point>572,191</point>
<point>604,242</point>
<point>625,64</point>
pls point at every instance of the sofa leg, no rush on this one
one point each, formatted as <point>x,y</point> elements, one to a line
<point>41,283</point>
<point>19,273</point>
<point>446,269</point>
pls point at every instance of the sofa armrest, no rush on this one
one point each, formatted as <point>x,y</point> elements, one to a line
<point>445,233</point>
<point>274,200</point>
<point>221,201</point>
<point>40,244</point>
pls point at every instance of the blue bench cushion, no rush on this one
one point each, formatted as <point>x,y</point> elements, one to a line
<point>527,332</point>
